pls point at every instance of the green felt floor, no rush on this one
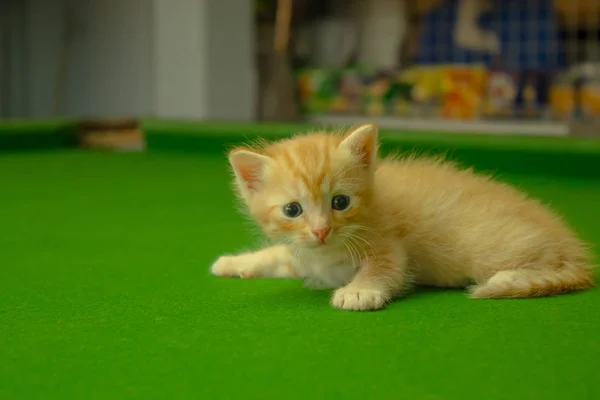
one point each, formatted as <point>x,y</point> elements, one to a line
<point>105,294</point>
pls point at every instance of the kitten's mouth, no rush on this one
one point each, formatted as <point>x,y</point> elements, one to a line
<point>317,244</point>
<point>313,245</point>
<point>309,244</point>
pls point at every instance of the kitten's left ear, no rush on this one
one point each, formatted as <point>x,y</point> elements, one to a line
<point>249,167</point>
<point>362,143</point>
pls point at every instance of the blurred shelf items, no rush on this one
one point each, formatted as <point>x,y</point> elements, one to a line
<point>461,60</point>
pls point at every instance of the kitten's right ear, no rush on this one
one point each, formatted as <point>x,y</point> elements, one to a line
<point>361,142</point>
<point>248,167</point>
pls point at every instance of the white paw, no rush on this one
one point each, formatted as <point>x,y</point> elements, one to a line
<point>236,266</point>
<point>358,299</point>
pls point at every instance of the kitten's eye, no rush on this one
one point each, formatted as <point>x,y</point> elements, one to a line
<point>340,202</point>
<point>292,210</point>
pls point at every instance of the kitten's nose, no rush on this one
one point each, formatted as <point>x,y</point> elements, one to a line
<point>321,233</point>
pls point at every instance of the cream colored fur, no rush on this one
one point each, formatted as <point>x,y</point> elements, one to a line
<point>411,220</point>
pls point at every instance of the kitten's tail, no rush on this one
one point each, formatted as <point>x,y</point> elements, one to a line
<point>518,283</point>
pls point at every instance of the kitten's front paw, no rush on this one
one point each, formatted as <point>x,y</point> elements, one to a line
<point>358,299</point>
<point>233,266</point>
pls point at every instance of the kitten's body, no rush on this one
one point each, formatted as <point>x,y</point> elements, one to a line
<point>410,220</point>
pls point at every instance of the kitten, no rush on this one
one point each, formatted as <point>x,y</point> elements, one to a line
<point>343,218</point>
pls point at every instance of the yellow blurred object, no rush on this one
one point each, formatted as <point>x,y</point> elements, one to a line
<point>305,87</point>
<point>428,83</point>
<point>578,13</point>
<point>529,93</point>
<point>115,135</point>
<point>562,100</point>
<point>338,104</point>
<point>420,93</point>
<point>375,108</point>
<point>590,100</point>
<point>462,92</point>
<point>423,6</point>
<point>401,108</point>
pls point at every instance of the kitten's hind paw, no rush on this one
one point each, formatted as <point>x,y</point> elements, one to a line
<point>358,299</point>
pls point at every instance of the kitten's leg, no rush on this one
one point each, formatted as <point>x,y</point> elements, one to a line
<point>378,281</point>
<point>271,262</point>
<point>518,283</point>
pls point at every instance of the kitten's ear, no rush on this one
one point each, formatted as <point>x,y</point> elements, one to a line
<point>248,167</point>
<point>362,143</point>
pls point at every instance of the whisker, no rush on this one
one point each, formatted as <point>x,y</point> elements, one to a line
<point>366,228</point>
<point>298,255</point>
<point>349,251</point>
<point>363,239</point>
<point>352,251</point>
<point>359,250</point>
<point>365,253</point>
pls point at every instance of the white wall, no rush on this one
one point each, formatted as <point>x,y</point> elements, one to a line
<point>13,77</point>
<point>111,59</point>
<point>164,58</point>
<point>232,74</point>
<point>180,58</point>
<point>108,68</point>
<point>42,28</point>
<point>204,59</point>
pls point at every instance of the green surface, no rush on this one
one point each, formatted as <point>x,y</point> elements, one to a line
<point>22,134</point>
<point>105,294</point>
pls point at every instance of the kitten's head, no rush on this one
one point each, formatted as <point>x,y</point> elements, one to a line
<point>311,190</point>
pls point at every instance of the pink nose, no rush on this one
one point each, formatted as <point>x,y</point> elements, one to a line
<point>321,234</point>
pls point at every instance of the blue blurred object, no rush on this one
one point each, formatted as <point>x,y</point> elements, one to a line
<point>528,31</point>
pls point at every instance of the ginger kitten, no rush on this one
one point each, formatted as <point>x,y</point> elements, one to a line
<point>343,218</point>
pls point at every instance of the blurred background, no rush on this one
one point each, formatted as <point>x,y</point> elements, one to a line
<point>514,66</point>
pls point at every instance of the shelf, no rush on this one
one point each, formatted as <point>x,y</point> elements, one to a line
<point>527,128</point>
